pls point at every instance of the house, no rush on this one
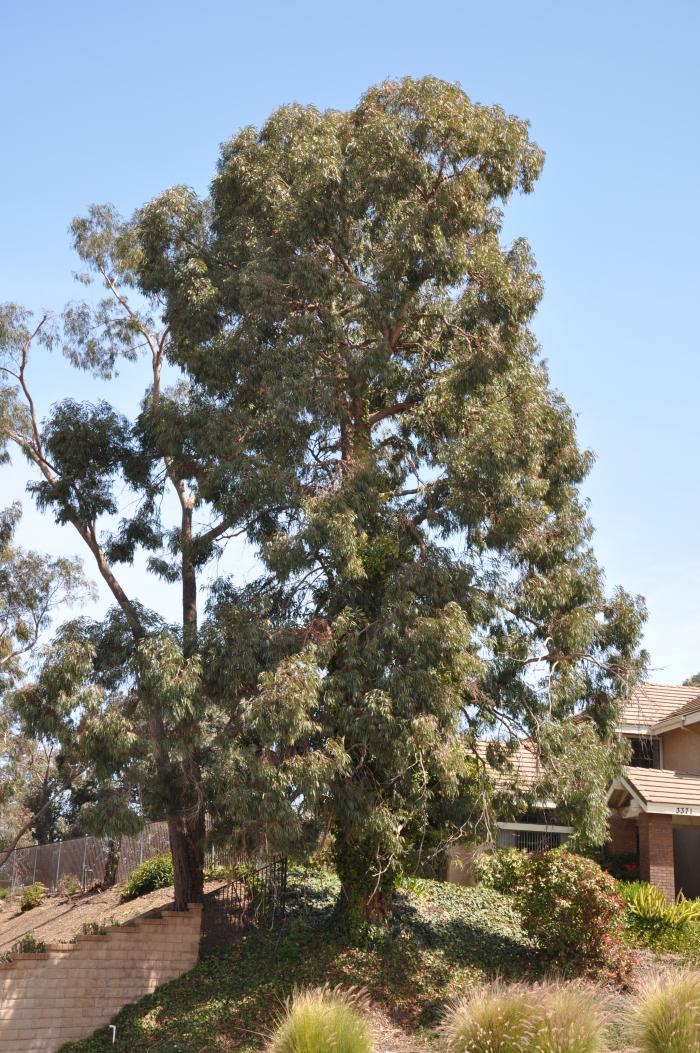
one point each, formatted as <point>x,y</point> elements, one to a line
<point>654,804</point>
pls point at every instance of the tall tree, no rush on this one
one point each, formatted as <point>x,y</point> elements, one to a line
<point>84,453</point>
<point>33,588</point>
<point>143,706</point>
<point>345,302</point>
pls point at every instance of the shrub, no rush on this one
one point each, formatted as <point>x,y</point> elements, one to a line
<point>217,872</point>
<point>622,865</point>
<point>665,1017</point>
<point>499,869</point>
<point>32,896</point>
<point>94,928</point>
<point>571,909</point>
<point>27,944</point>
<point>546,1018</point>
<point>150,875</point>
<point>70,886</point>
<point>322,1021</point>
<point>4,893</point>
<point>650,915</point>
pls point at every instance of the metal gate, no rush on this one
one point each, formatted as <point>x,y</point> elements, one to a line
<point>254,899</point>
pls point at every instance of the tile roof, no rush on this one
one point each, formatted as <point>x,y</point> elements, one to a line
<point>523,767</point>
<point>651,703</point>
<point>690,709</point>
<point>660,786</point>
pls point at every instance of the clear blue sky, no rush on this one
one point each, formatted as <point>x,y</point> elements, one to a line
<point>115,102</point>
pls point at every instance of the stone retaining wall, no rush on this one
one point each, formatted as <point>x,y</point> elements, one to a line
<point>70,990</point>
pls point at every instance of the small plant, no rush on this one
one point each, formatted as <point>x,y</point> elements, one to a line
<point>499,869</point>
<point>572,910</point>
<point>411,883</point>
<point>650,915</point>
<point>93,928</point>
<point>322,1021</point>
<point>217,872</point>
<point>151,875</point>
<point>32,895</point>
<point>69,886</point>
<point>27,944</point>
<point>545,1018</point>
<point>622,865</point>
<point>665,1017</point>
<point>4,893</point>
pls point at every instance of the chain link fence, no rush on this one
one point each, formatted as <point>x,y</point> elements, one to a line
<point>85,858</point>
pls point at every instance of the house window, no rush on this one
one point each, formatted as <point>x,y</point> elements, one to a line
<point>646,753</point>
<point>530,838</point>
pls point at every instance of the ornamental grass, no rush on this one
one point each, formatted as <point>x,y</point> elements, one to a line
<point>323,1021</point>
<point>665,1015</point>
<point>517,1018</point>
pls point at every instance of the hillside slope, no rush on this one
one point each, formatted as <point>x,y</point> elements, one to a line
<point>442,938</point>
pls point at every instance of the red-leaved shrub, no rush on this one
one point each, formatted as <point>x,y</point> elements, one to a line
<point>571,909</point>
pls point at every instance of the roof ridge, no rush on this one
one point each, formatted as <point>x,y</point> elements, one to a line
<point>655,683</point>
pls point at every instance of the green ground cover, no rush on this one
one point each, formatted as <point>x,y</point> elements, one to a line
<point>442,938</point>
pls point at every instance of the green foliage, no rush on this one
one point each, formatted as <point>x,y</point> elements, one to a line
<point>360,392</point>
<point>573,911</point>
<point>27,944</point>
<point>149,876</point>
<point>665,1015</point>
<point>4,893</point>
<point>32,895</point>
<point>93,928</point>
<point>322,1021</point>
<point>548,1018</point>
<point>407,443</point>
<point>69,886</point>
<point>489,1020</point>
<point>218,872</point>
<point>651,916</point>
<point>436,945</point>
<point>500,869</point>
<point>621,865</point>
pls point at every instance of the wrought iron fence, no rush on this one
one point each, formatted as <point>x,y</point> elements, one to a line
<point>530,840</point>
<point>254,899</point>
<point>86,858</point>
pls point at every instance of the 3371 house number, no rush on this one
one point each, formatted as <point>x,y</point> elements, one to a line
<point>683,810</point>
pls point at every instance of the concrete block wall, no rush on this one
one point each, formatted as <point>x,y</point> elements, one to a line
<point>70,990</point>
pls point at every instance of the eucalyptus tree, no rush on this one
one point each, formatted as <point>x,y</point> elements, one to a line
<point>344,301</point>
<point>105,690</point>
<point>167,717</point>
<point>34,587</point>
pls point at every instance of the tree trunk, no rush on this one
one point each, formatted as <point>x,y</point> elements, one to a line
<point>365,896</point>
<point>187,849</point>
<point>114,851</point>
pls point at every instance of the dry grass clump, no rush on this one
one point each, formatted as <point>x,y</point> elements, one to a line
<point>517,1018</point>
<point>323,1021</point>
<point>665,1015</point>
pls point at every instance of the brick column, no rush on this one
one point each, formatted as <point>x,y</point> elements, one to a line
<point>656,852</point>
<point>623,835</point>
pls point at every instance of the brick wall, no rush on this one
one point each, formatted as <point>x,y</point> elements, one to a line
<point>623,835</point>
<point>656,852</point>
<point>70,990</point>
